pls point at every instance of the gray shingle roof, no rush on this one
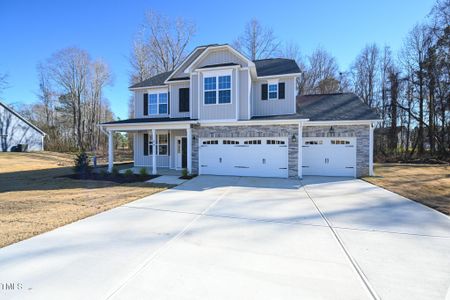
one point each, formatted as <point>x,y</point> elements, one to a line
<point>276,66</point>
<point>219,65</point>
<point>264,67</point>
<point>329,107</point>
<point>153,81</point>
<point>148,120</point>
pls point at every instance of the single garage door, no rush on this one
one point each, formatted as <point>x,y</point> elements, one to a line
<point>329,156</point>
<point>262,157</point>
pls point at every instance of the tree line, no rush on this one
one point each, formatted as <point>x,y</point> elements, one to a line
<point>408,89</point>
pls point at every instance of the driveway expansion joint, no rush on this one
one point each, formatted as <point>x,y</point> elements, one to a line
<point>353,262</point>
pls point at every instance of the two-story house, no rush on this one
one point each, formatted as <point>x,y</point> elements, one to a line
<point>220,113</point>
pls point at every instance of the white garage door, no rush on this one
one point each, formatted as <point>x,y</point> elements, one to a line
<point>262,157</point>
<point>329,156</point>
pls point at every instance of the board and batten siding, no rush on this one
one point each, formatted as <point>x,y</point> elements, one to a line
<point>194,95</point>
<point>139,104</point>
<point>274,107</point>
<point>244,94</point>
<point>15,131</point>
<point>146,160</point>
<point>174,89</point>
<point>219,57</point>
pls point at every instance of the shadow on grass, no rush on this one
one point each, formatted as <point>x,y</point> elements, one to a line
<point>50,179</point>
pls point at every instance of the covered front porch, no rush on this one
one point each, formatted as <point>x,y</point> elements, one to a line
<point>162,148</point>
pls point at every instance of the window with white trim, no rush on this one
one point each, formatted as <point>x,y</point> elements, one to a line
<point>273,91</point>
<point>158,103</point>
<point>217,89</point>
<point>162,144</point>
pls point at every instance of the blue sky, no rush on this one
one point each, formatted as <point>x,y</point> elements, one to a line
<point>31,31</point>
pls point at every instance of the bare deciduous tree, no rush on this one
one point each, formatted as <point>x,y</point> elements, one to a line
<point>365,73</point>
<point>71,101</point>
<point>160,45</point>
<point>413,56</point>
<point>257,41</point>
<point>320,73</point>
<point>3,82</point>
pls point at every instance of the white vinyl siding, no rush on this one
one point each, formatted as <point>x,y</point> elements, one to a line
<point>274,107</point>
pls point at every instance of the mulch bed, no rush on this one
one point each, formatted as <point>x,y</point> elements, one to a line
<point>188,177</point>
<point>119,178</point>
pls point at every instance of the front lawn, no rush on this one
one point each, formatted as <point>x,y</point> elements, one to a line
<point>35,197</point>
<point>427,184</point>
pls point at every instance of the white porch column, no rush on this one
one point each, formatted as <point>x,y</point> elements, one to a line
<point>153,151</point>
<point>110,151</point>
<point>300,150</point>
<point>371,149</point>
<point>189,149</point>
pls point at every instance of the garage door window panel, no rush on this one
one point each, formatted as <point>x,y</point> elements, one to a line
<point>252,142</point>
<point>230,142</point>
<point>211,142</point>
<point>275,142</point>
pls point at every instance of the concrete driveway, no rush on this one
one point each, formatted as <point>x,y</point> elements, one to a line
<point>241,238</point>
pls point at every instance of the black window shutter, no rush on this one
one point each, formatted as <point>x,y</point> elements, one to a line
<point>145,104</point>
<point>264,91</point>
<point>168,143</point>
<point>183,100</point>
<point>168,102</point>
<point>146,144</point>
<point>281,90</point>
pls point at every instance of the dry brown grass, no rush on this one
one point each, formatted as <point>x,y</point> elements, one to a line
<point>427,184</point>
<point>34,199</point>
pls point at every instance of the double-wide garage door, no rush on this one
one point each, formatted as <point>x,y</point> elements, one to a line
<point>262,157</point>
<point>329,156</point>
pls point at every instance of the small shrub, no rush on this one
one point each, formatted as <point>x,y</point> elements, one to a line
<point>184,173</point>
<point>143,172</point>
<point>115,172</point>
<point>81,164</point>
<point>103,173</point>
<point>128,173</point>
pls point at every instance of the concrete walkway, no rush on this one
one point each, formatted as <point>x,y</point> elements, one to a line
<point>246,238</point>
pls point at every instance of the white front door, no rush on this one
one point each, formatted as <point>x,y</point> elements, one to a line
<point>327,156</point>
<point>180,152</point>
<point>261,157</point>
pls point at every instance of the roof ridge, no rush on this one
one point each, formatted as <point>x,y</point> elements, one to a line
<point>273,58</point>
<point>324,94</point>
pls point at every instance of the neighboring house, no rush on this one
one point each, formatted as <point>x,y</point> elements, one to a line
<point>223,114</point>
<point>15,130</point>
